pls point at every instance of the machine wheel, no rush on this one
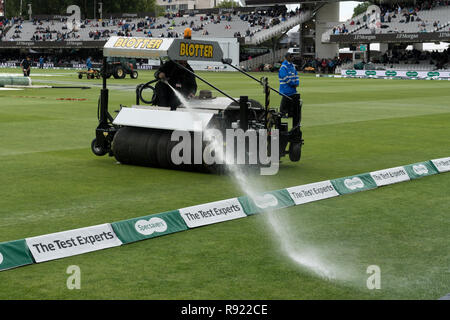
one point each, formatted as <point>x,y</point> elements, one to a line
<point>134,74</point>
<point>295,151</point>
<point>80,76</point>
<point>96,149</point>
<point>119,73</point>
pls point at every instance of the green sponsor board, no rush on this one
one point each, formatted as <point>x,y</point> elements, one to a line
<point>14,254</point>
<point>150,226</point>
<point>266,201</point>
<point>391,73</point>
<point>371,73</point>
<point>420,169</point>
<point>352,184</point>
<point>412,74</point>
<point>350,72</point>
<point>433,74</point>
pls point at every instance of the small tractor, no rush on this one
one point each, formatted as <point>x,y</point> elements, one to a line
<point>119,67</point>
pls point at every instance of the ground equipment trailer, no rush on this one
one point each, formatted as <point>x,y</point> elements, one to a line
<point>90,74</point>
<point>141,134</point>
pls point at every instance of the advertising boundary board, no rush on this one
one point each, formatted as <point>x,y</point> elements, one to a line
<point>151,226</point>
<point>159,224</point>
<point>14,254</point>
<point>396,74</point>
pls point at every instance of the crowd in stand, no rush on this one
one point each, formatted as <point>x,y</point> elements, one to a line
<point>267,19</point>
<point>340,29</point>
<point>6,23</point>
<point>440,60</point>
<point>2,30</point>
<point>407,12</point>
<point>68,58</point>
<point>45,30</point>
<point>313,65</point>
<point>51,33</point>
<point>320,65</point>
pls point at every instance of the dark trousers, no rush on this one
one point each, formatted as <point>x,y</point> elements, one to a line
<point>26,73</point>
<point>165,97</point>
<point>292,107</point>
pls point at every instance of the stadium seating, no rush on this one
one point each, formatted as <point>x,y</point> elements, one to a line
<point>224,26</point>
<point>269,33</point>
<point>432,20</point>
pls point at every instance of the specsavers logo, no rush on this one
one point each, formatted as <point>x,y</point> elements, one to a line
<point>1,258</point>
<point>391,73</point>
<point>138,43</point>
<point>433,74</point>
<point>196,50</point>
<point>371,73</point>
<point>265,201</point>
<point>354,183</point>
<point>412,74</point>
<point>420,169</point>
<point>350,72</point>
<point>148,227</point>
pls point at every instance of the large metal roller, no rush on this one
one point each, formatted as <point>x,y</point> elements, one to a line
<point>151,148</point>
<point>14,81</point>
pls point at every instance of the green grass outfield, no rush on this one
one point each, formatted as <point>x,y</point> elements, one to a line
<point>51,181</point>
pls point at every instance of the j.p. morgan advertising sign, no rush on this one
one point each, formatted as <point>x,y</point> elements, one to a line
<point>52,44</point>
<point>391,37</point>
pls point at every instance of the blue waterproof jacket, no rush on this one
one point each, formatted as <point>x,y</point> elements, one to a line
<point>288,77</point>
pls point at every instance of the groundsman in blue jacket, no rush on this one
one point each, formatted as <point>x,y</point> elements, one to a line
<point>289,82</point>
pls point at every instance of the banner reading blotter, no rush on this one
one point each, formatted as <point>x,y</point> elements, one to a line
<point>266,201</point>
<point>389,176</point>
<point>72,242</point>
<point>147,227</point>
<point>352,184</point>
<point>443,164</point>
<point>14,254</point>
<point>212,212</point>
<point>420,169</point>
<point>312,192</point>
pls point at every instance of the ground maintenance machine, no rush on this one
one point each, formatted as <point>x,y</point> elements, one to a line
<point>89,74</point>
<point>141,134</point>
<point>120,67</point>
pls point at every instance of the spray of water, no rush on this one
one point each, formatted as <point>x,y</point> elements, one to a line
<point>302,254</point>
<point>305,255</point>
<point>185,102</point>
